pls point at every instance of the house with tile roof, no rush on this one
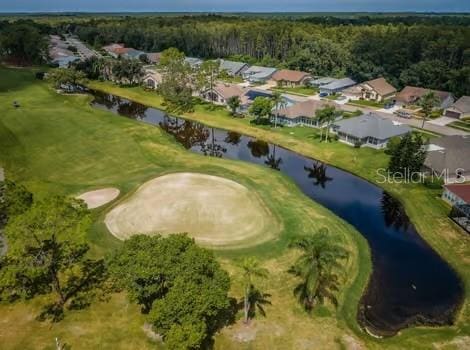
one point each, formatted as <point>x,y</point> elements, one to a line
<point>449,157</point>
<point>411,95</point>
<point>377,90</point>
<point>221,92</point>
<point>369,130</point>
<point>460,109</point>
<point>291,78</point>
<point>302,113</point>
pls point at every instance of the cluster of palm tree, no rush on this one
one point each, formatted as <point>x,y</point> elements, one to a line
<point>316,267</point>
<point>326,116</point>
<point>279,103</point>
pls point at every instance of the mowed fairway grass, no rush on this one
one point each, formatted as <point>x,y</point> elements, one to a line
<point>59,144</point>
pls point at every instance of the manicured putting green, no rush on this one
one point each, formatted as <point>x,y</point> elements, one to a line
<point>215,211</point>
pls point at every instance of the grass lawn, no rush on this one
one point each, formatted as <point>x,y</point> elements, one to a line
<point>424,206</point>
<point>300,90</point>
<point>366,103</point>
<point>59,144</point>
<point>461,124</point>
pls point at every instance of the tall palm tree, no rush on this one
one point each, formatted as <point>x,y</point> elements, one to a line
<point>428,102</point>
<point>251,268</point>
<point>279,103</point>
<point>325,115</point>
<point>321,255</point>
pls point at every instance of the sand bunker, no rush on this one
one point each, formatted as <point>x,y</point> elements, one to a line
<point>213,210</point>
<point>95,199</point>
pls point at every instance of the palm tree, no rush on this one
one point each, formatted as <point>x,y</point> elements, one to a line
<point>428,102</point>
<point>325,115</point>
<point>251,269</point>
<point>279,103</point>
<point>320,256</point>
<point>257,300</point>
<point>234,103</point>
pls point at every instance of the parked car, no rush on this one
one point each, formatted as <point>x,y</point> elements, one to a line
<point>323,94</point>
<point>389,105</point>
<point>404,113</point>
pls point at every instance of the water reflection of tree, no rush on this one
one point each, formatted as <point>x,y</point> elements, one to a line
<point>318,173</point>
<point>213,149</point>
<point>394,213</point>
<point>272,161</point>
<point>187,133</point>
<point>132,109</point>
<point>107,100</point>
<point>233,138</point>
<point>258,148</point>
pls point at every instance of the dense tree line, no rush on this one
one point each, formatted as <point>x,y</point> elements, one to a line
<point>430,54</point>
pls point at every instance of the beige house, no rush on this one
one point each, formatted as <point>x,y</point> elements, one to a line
<point>411,95</point>
<point>377,90</point>
<point>302,113</point>
<point>221,92</point>
<point>460,109</point>
<point>152,79</point>
<point>291,78</point>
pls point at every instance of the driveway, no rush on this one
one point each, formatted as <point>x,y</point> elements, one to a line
<point>442,121</point>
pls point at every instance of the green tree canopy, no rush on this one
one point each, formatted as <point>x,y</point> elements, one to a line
<point>46,256</point>
<point>23,44</point>
<point>180,284</point>
<point>261,107</point>
<point>176,85</point>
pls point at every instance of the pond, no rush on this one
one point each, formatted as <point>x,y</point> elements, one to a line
<point>410,283</point>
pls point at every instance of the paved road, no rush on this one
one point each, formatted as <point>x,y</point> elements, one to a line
<point>83,50</point>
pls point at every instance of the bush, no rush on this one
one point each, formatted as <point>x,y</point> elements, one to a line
<point>40,75</point>
<point>433,183</point>
<point>357,144</point>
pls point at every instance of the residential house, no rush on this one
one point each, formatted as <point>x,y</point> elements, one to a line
<point>152,79</point>
<point>411,95</point>
<point>154,57</point>
<point>133,54</point>
<point>221,92</point>
<point>460,109</point>
<point>336,86</point>
<point>459,197</point>
<point>302,113</point>
<point>193,61</point>
<point>456,194</point>
<point>322,81</point>
<point>377,90</point>
<point>111,47</point>
<point>64,62</point>
<point>291,78</point>
<point>370,130</point>
<point>233,68</point>
<point>449,157</point>
<point>257,74</point>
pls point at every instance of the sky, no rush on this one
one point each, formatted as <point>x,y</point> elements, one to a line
<point>234,5</point>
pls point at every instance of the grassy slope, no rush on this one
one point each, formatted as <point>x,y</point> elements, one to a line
<point>426,210</point>
<point>59,144</point>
